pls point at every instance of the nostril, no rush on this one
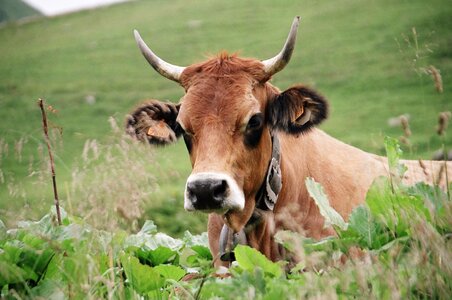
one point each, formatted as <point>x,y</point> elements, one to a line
<point>207,193</point>
<point>191,187</point>
<point>220,189</point>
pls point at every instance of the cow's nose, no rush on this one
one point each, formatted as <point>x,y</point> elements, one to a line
<point>207,193</point>
<point>213,191</point>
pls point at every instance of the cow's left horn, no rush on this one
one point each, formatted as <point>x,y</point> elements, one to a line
<point>168,70</point>
<point>275,64</point>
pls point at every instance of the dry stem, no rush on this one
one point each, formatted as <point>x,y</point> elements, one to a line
<point>52,164</point>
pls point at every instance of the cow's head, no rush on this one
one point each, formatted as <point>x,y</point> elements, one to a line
<point>226,118</point>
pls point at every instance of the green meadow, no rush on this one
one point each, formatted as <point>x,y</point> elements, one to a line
<point>372,60</point>
<point>11,10</point>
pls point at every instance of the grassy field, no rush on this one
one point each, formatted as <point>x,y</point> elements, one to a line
<point>12,10</point>
<point>369,58</point>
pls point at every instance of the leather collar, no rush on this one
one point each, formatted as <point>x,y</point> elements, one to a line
<point>266,199</point>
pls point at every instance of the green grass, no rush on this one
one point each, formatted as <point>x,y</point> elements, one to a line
<point>13,10</point>
<point>396,245</point>
<point>361,55</point>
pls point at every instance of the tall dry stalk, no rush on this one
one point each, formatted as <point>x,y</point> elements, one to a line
<point>436,76</point>
<point>443,122</point>
<point>405,126</point>
<point>52,164</point>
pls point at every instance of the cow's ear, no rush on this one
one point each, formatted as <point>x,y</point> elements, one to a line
<point>155,122</point>
<point>297,109</point>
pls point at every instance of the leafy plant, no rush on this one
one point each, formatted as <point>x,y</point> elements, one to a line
<point>396,245</point>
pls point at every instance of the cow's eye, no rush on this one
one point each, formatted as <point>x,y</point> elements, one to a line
<point>188,141</point>
<point>187,136</point>
<point>178,129</point>
<point>255,122</point>
<point>253,130</point>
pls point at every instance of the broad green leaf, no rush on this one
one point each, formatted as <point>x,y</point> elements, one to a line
<point>326,244</point>
<point>12,250</point>
<point>199,243</point>
<point>142,277</point>
<point>196,240</point>
<point>389,245</point>
<point>43,226</point>
<point>36,260</point>
<point>332,217</point>
<point>70,268</point>
<point>11,273</point>
<point>432,194</point>
<point>393,153</point>
<point>189,258</point>
<point>202,251</point>
<point>3,233</point>
<point>361,222</point>
<point>158,295</point>
<point>383,205</point>
<point>153,241</point>
<point>48,289</point>
<point>330,244</point>
<point>249,258</point>
<point>47,224</point>
<point>159,255</point>
<point>54,268</point>
<point>63,214</point>
<point>72,231</point>
<point>259,280</point>
<point>33,241</point>
<point>394,210</point>
<point>379,197</point>
<point>161,239</point>
<point>149,227</point>
<point>170,272</point>
<point>281,289</point>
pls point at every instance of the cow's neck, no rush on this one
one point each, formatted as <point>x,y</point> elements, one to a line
<point>295,210</point>
<point>345,172</point>
<point>261,223</point>
<point>331,163</point>
<point>261,236</point>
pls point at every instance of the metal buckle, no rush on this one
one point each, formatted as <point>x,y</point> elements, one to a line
<point>228,241</point>
<point>273,184</point>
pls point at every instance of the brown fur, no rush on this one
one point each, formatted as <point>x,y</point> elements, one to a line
<point>153,114</point>
<point>221,94</point>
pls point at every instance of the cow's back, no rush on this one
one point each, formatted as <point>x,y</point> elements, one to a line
<point>345,172</point>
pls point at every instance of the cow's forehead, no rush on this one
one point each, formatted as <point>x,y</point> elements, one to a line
<point>223,66</point>
<point>221,89</point>
<point>221,100</point>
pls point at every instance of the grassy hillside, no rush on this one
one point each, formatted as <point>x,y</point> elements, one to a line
<point>11,10</point>
<point>367,57</point>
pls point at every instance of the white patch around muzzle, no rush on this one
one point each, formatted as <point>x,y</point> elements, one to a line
<point>234,198</point>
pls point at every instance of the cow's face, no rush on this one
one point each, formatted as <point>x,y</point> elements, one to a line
<point>226,118</point>
<point>223,116</point>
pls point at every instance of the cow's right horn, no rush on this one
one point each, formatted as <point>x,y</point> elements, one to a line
<point>168,70</point>
<point>275,64</point>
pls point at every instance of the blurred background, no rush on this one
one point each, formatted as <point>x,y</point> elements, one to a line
<point>384,65</point>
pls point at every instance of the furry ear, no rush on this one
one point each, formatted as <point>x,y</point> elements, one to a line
<point>155,122</point>
<point>296,110</point>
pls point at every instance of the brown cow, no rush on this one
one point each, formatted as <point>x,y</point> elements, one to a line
<point>251,145</point>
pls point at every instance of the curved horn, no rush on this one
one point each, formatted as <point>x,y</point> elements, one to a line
<point>275,64</point>
<point>168,70</point>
